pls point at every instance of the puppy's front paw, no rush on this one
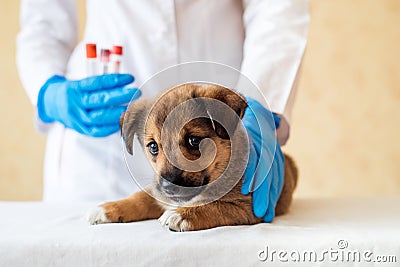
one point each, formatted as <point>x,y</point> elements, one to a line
<point>174,221</point>
<point>97,216</point>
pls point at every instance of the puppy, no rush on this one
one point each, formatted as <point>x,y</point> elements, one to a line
<point>198,150</point>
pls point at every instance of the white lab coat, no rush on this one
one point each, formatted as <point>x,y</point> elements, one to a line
<point>264,39</point>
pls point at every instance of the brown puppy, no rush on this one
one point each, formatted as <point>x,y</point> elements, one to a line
<point>198,151</point>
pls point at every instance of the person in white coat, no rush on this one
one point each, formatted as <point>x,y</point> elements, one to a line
<point>264,39</point>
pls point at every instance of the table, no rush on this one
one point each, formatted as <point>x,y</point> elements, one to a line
<point>321,232</point>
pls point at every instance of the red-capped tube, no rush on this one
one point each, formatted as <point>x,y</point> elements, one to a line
<point>105,55</point>
<point>116,59</point>
<point>91,60</point>
<point>117,50</point>
<point>104,61</point>
<point>91,51</point>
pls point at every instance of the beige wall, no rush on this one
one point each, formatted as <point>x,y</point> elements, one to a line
<point>347,118</point>
<point>343,124</point>
<point>21,149</point>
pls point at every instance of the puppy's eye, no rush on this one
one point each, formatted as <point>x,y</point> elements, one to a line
<point>153,148</point>
<point>194,141</point>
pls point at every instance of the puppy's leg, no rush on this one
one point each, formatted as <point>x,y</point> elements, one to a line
<point>291,174</point>
<point>218,213</point>
<point>138,207</point>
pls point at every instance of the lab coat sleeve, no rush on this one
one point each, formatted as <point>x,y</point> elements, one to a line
<point>275,40</point>
<point>47,37</point>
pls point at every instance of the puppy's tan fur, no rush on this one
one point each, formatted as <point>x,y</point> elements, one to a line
<point>233,208</point>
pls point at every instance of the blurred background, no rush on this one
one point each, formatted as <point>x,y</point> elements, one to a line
<point>345,123</point>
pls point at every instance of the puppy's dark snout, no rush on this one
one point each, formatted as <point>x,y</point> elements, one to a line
<point>171,181</point>
<point>169,187</point>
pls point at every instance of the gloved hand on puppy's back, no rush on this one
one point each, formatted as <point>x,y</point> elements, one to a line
<point>264,175</point>
<point>91,106</point>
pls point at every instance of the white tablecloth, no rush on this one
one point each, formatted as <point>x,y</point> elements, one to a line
<point>344,232</point>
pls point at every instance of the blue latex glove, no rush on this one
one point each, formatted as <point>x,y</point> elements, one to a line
<point>91,106</point>
<point>265,170</point>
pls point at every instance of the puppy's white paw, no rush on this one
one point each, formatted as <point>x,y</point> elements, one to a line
<point>173,220</point>
<point>97,216</point>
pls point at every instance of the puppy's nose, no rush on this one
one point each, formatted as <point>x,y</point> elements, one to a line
<point>169,187</point>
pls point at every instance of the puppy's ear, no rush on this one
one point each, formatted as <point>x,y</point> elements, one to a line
<point>121,120</point>
<point>235,101</point>
<point>133,121</point>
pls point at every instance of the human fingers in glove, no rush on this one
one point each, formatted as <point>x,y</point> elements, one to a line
<point>264,175</point>
<point>91,106</point>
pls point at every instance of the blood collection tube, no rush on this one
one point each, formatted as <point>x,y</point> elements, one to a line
<point>116,59</point>
<point>91,60</point>
<point>104,61</point>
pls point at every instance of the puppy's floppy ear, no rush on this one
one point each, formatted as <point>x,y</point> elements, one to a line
<point>132,122</point>
<point>235,101</point>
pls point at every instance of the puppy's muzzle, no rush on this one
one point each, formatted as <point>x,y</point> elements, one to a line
<point>175,186</point>
<point>179,192</point>
<point>169,188</point>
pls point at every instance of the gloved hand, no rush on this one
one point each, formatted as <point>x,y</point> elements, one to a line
<point>91,106</point>
<point>265,170</point>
